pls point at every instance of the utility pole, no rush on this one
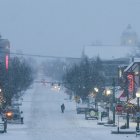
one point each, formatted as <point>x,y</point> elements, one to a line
<point>113,84</point>
<point>127,98</point>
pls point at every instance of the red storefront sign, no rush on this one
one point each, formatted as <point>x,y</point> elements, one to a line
<point>131,83</point>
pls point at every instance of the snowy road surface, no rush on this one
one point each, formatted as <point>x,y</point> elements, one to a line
<point>44,120</point>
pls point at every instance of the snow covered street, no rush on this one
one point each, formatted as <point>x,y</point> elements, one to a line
<point>43,120</point>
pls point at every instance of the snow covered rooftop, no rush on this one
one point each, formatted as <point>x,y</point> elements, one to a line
<point>136,60</point>
<point>108,52</point>
<point>129,66</point>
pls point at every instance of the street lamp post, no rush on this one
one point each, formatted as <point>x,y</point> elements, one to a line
<point>96,91</point>
<point>113,84</point>
<point>127,96</point>
<point>138,112</point>
<point>108,92</point>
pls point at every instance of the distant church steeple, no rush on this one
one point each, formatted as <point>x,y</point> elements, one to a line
<point>129,37</point>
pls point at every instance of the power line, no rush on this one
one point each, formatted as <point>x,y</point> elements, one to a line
<point>41,56</point>
<point>48,56</point>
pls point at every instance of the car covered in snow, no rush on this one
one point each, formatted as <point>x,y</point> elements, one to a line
<point>13,114</point>
<point>1,127</point>
<point>80,108</point>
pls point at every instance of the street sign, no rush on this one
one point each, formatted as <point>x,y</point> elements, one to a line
<point>138,114</point>
<point>119,108</point>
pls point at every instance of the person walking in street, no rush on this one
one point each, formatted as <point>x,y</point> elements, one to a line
<point>62,108</point>
<point>21,117</point>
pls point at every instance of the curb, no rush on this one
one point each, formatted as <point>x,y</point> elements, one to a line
<point>112,125</point>
<point>123,132</point>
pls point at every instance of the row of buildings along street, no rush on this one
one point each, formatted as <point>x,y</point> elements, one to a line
<point>115,92</point>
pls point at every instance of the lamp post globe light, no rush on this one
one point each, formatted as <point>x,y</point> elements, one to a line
<point>108,92</point>
<point>138,106</point>
<point>96,89</point>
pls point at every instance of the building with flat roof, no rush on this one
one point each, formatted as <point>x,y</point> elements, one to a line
<point>112,57</point>
<point>109,52</point>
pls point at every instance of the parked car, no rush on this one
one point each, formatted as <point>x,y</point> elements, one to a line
<point>13,115</point>
<point>1,127</point>
<point>81,110</point>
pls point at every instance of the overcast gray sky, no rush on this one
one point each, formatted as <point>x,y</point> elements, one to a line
<point>63,27</point>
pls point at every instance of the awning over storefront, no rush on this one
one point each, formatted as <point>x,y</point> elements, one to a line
<point>133,101</point>
<point>120,95</point>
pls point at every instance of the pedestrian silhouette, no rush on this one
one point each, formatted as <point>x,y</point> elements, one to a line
<point>21,117</point>
<point>62,108</point>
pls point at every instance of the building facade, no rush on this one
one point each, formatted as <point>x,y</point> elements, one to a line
<point>4,51</point>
